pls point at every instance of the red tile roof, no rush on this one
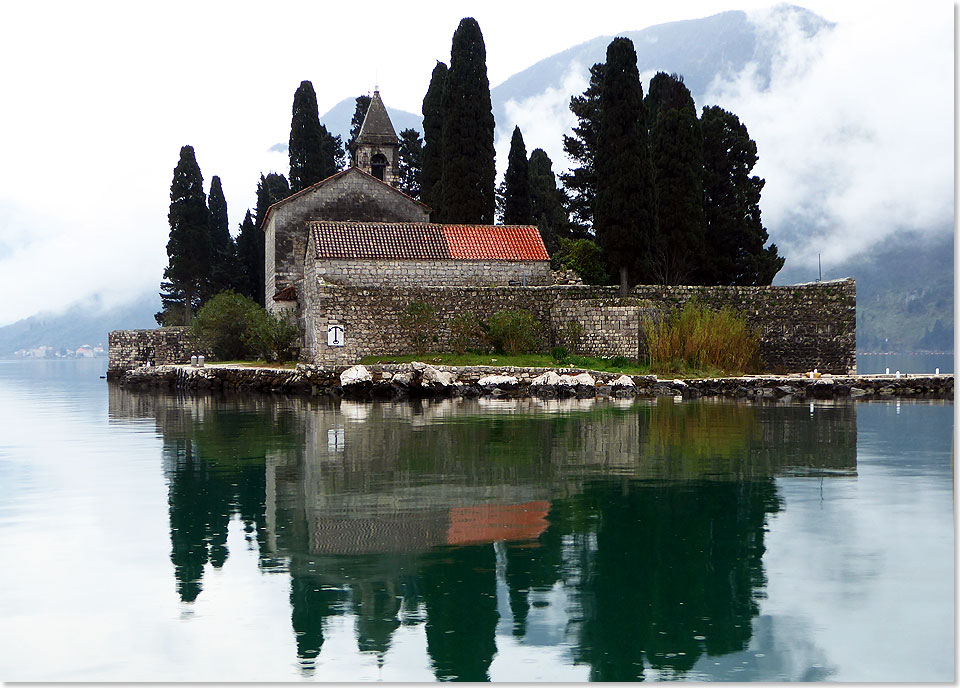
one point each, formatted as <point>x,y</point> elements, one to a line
<point>286,294</point>
<point>420,241</point>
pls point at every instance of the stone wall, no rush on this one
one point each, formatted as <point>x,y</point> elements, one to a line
<point>400,273</point>
<point>801,327</point>
<point>351,196</point>
<point>602,327</point>
<point>133,348</point>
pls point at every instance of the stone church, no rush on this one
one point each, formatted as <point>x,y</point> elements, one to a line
<point>356,229</point>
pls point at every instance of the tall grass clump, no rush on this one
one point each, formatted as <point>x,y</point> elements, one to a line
<point>699,338</point>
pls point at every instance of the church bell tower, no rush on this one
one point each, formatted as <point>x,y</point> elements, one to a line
<point>378,147</point>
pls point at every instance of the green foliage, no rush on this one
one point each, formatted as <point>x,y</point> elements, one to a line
<point>306,139</point>
<point>188,248</point>
<point>410,162</point>
<point>581,182</point>
<point>584,257</point>
<point>677,153</point>
<point>363,103</point>
<point>249,261</point>
<point>513,332</point>
<point>224,266</point>
<point>223,323</point>
<point>466,331</point>
<point>468,170</point>
<point>547,201</point>
<point>625,219</point>
<point>698,337</point>
<point>332,157</point>
<point>432,141</point>
<point>559,354</point>
<point>734,233</point>
<point>570,334</point>
<point>516,181</point>
<point>420,319</point>
<point>271,336</point>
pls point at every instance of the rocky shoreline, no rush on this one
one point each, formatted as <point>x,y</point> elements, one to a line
<point>396,381</point>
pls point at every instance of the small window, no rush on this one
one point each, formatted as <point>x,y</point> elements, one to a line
<point>378,166</point>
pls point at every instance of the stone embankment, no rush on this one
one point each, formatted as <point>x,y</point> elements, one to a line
<point>418,380</point>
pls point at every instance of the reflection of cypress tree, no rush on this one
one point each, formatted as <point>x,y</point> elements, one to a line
<point>673,564</point>
<point>311,604</point>
<point>460,591</point>
<point>532,568</point>
<point>376,606</point>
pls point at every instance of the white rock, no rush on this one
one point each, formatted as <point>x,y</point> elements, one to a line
<point>497,381</point>
<point>567,381</point>
<point>403,379</point>
<point>584,379</point>
<point>623,381</point>
<point>418,366</point>
<point>437,377</point>
<point>355,375</point>
<point>548,379</point>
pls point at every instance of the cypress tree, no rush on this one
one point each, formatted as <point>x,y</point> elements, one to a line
<point>432,144</point>
<point>306,140</point>
<point>359,113</point>
<point>468,172</point>
<point>547,201</point>
<point>625,216</point>
<point>250,259</point>
<point>516,180</point>
<point>410,163</point>
<point>581,182</point>
<point>677,153</point>
<point>223,251</point>
<point>332,157</point>
<point>734,231</point>
<point>270,189</point>
<point>188,248</point>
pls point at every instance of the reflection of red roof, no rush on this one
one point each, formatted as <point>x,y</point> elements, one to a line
<point>420,240</point>
<point>492,522</point>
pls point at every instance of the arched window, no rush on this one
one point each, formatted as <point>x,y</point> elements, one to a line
<point>378,166</point>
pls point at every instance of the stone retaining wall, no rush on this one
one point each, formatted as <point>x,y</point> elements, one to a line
<point>134,348</point>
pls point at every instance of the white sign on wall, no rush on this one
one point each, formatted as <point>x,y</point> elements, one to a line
<point>334,335</point>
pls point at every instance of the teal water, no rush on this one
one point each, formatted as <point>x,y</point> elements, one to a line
<point>165,538</point>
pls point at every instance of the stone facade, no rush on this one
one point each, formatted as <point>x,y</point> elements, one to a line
<point>351,195</point>
<point>134,348</point>
<point>800,327</point>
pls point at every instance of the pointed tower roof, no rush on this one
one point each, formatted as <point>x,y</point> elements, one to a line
<point>377,127</point>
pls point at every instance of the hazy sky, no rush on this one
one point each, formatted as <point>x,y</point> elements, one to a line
<point>99,97</point>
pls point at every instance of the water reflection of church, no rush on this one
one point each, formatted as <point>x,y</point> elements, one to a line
<point>644,523</point>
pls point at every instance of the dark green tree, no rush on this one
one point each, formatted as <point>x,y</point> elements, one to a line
<point>270,189</point>
<point>547,202</point>
<point>363,102</point>
<point>410,163</point>
<point>469,171</point>
<point>677,154</point>
<point>223,250</point>
<point>516,181</point>
<point>581,182</point>
<point>306,140</point>
<point>332,157</point>
<point>734,232</point>
<point>432,141</point>
<point>188,248</point>
<point>625,216</point>
<point>249,259</point>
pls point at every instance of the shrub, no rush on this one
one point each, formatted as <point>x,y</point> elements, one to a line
<point>559,354</point>
<point>619,362</point>
<point>465,330</point>
<point>271,336</point>
<point>221,325</point>
<point>513,332</point>
<point>420,320</point>
<point>584,257</point>
<point>697,337</point>
<point>570,335</point>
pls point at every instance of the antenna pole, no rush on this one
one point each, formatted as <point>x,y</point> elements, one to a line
<point>819,268</point>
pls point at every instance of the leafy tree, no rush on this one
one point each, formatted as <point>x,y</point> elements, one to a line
<point>432,141</point>
<point>546,201</point>
<point>188,248</point>
<point>468,172</point>
<point>516,180</point>
<point>332,157</point>
<point>625,216</point>
<point>221,325</point>
<point>223,250</point>
<point>585,258</point>
<point>581,182</point>
<point>363,103</point>
<point>677,153</point>
<point>734,232</point>
<point>410,163</point>
<point>271,336</point>
<point>306,140</point>
<point>250,259</point>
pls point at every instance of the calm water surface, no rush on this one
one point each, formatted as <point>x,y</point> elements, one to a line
<point>151,537</point>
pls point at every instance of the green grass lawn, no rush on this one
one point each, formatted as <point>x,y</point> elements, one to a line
<point>608,365</point>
